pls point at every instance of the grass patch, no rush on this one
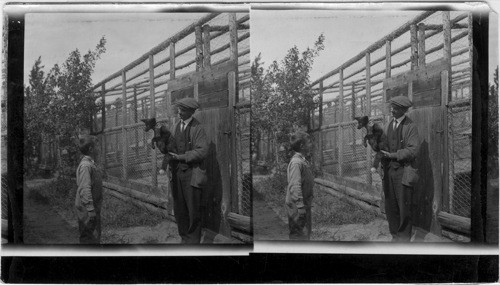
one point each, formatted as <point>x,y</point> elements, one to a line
<point>60,194</point>
<point>119,214</point>
<point>327,210</point>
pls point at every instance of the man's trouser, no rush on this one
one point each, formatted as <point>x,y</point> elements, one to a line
<point>186,206</point>
<point>397,205</point>
<point>299,225</point>
<point>90,230</point>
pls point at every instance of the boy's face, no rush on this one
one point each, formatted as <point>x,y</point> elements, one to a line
<point>95,149</point>
<point>307,147</point>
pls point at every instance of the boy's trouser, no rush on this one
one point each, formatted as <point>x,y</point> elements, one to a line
<point>299,225</point>
<point>90,230</point>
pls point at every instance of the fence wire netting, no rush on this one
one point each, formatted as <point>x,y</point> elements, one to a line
<point>126,148</point>
<point>5,196</point>
<point>460,140</point>
<point>342,151</point>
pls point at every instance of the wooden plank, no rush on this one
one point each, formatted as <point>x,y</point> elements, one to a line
<point>369,113</point>
<point>215,99</point>
<point>455,223</point>
<point>172,61</point>
<point>320,140</point>
<point>103,92</point>
<point>148,198</point>
<point>175,38</point>
<point>414,46</point>
<point>154,177</point>
<point>233,46</point>
<point>216,194</point>
<point>124,131</point>
<point>427,194</point>
<point>240,222</point>
<point>394,34</point>
<point>138,186</point>
<point>421,44</point>
<point>234,154</point>
<point>340,141</point>
<point>362,204</point>
<point>447,44</point>
<point>148,207</point>
<point>178,94</point>
<point>199,48</point>
<point>206,47</point>
<point>348,187</point>
<point>448,184</point>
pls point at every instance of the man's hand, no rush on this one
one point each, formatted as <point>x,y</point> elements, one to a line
<point>175,156</point>
<point>388,154</point>
<point>162,171</point>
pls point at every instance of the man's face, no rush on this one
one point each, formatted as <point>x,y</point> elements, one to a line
<point>397,111</point>
<point>184,114</point>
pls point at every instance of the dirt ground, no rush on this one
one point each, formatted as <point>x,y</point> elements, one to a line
<point>46,225</point>
<point>268,225</point>
<point>271,224</point>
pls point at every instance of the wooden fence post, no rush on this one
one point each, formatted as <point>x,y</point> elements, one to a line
<point>353,114</point>
<point>104,149</point>
<point>421,44</point>
<point>368,106</point>
<point>447,45</point>
<point>154,171</point>
<point>233,100</point>
<point>320,123</point>
<point>471,50</point>
<point>388,63</point>
<point>117,145</point>
<point>143,111</point>
<point>414,46</point>
<point>124,131</point>
<point>199,48</point>
<point>136,119</point>
<point>206,47</point>
<point>448,185</point>
<point>340,143</point>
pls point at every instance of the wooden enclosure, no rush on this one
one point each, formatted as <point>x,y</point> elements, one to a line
<point>209,61</point>
<point>428,59</point>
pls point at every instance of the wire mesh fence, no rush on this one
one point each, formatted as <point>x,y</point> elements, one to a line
<point>425,41</point>
<point>5,196</point>
<point>460,140</point>
<point>142,91</point>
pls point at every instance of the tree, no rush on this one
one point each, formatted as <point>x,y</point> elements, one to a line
<point>62,103</point>
<point>36,99</point>
<point>282,100</point>
<point>261,91</point>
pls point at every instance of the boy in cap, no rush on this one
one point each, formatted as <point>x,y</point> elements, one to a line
<point>403,142</point>
<point>88,200</point>
<point>188,170</point>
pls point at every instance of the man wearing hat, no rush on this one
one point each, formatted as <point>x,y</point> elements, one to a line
<point>403,141</point>
<point>188,170</point>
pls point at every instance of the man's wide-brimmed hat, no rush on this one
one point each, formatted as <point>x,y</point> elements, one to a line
<point>187,103</point>
<point>401,101</point>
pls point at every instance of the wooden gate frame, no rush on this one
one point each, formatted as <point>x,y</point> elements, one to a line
<point>441,66</point>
